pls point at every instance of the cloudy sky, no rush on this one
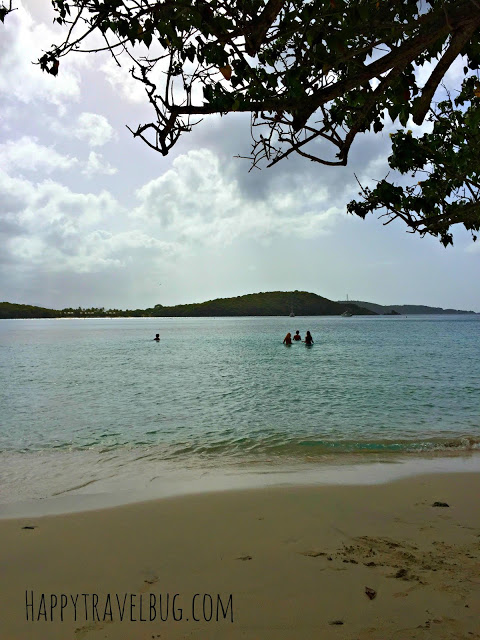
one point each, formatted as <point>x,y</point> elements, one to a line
<point>89,216</point>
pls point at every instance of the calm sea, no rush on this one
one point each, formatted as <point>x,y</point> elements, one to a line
<point>97,400</point>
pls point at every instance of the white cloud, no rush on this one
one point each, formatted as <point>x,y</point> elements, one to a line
<point>28,155</point>
<point>27,249</point>
<point>97,165</point>
<point>200,200</point>
<point>197,202</point>
<point>93,128</point>
<point>101,250</point>
<point>49,206</point>
<point>133,91</point>
<point>59,230</point>
<point>121,80</point>
<point>22,43</point>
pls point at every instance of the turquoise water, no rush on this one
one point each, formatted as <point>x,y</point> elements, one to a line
<point>226,390</point>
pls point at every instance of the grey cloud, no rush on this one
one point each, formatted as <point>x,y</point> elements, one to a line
<point>230,136</point>
<point>199,199</point>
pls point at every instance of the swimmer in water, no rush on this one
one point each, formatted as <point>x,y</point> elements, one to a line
<point>308,338</point>
<point>157,337</point>
<point>288,339</point>
<point>297,335</point>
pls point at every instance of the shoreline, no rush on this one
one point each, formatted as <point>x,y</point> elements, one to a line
<point>296,561</point>
<point>156,481</point>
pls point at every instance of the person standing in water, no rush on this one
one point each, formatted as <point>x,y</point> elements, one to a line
<point>308,338</point>
<point>297,335</point>
<point>288,339</point>
<point>157,337</point>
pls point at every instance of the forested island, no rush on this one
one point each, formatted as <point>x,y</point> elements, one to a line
<point>273,303</point>
<point>11,310</point>
<point>405,309</point>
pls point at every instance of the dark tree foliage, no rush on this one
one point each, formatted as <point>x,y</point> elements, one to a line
<point>5,9</point>
<point>272,303</point>
<point>313,74</point>
<point>448,162</point>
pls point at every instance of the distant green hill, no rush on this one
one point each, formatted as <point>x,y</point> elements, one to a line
<point>11,310</point>
<point>405,309</point>
<point>273,303</point>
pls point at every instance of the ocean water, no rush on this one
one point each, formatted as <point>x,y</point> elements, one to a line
<point>97,400</point>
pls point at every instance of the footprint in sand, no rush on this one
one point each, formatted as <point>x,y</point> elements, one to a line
<point>81,632</point>
<point>147,583</point>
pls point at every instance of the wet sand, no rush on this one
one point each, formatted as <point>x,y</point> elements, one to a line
<point>344,562</point>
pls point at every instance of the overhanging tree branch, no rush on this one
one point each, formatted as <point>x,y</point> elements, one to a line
<point>307,71</point>
<point>459,40</point>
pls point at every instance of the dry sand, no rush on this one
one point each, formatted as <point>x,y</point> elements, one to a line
<point>296,562</point>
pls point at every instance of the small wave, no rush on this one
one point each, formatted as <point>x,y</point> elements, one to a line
<point>281,447</point>
<point>289,445</point>
<point>277,445</point>
<point>462,443</point>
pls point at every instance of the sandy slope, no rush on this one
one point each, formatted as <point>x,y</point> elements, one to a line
<point>296,562</point>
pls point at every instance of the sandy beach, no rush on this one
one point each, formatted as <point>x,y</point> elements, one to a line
<point>349,562</point>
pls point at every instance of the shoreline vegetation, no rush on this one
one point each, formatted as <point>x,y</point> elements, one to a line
<point>274,303</point>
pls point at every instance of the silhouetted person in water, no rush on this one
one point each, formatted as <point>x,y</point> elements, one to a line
<point>157,337</point>
<point>288,339</point>
<point>297,335</point>
<point>308,338</point>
